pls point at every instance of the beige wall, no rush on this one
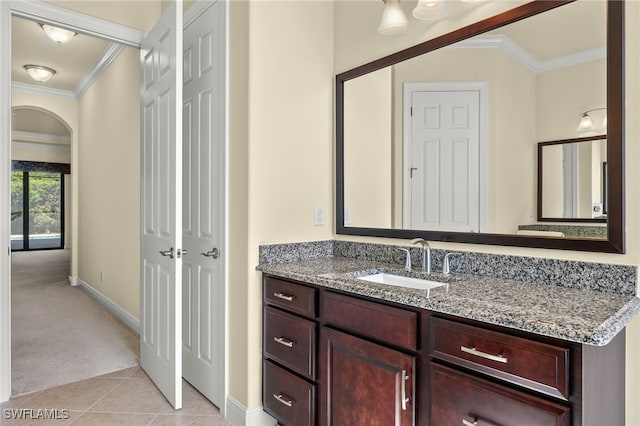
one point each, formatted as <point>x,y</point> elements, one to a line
<point>367,157</point>
<point>109,183</point>
<point>564,94</point>
<point>38,152</point>
<point>281,154</point>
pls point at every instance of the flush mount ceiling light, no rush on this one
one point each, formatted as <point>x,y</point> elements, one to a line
<point>59,35</point>
<point>427,10</point>
<point>586,121</point>
<point>393,19</point>
<point>39,73</point>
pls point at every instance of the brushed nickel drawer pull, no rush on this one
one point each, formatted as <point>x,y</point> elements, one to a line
<point>283,399</point>
<point>403,392</point>
<point>284,341</point>
<point>474,351</point>
<point>468,423</point>
<point>283,296</point>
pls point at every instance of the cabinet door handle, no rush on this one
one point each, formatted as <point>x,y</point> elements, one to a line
<point>284,341</point>
<point>283,399</point>
<point>287,297</point>
<point>403,390</point>
<point>474,351</point>
<point>466,422</point>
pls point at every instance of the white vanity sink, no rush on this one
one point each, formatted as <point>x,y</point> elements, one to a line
<point>400,281</point>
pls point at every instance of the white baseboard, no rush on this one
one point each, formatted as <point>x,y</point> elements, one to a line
<point>73,281</point>
<point>132,322</point>
<point>239,415</point>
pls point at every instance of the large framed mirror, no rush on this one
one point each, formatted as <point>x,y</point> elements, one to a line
<point>439,140</point>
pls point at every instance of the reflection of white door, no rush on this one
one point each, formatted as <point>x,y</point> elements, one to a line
<point>161,215</point>
<point>203,206</point>
<point>442,170</point>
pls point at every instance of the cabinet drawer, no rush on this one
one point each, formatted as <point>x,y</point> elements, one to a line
<point>290,296</point>
<point>458,398</point>
<point>290,340</point>
<point>288,398</point>
<point>382,322</point>
<point>538,366</point>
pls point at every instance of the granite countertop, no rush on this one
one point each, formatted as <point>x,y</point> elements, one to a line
<point>576,315</point>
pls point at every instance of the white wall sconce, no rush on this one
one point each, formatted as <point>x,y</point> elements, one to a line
<point>395,22</point>
<point>59,35</point>
<point>428,10</point>
<point>393,19</point>
<point>40,73</point>
<point>586,119</point>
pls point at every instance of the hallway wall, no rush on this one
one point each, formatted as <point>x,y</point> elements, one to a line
<point>109,183</point>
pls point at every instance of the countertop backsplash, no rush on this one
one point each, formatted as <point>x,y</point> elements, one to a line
<point>602,277</point>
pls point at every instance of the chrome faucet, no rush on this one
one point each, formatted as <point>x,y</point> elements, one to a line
<point>446,267</point>
<point>407,260</point>
<point>425,255</point>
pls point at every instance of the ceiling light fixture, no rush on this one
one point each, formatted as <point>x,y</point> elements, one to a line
<point>393,19</point>
<point>586,122</point>
<point>427,10</point>
<point>39,73</point>
<point>59,35</point>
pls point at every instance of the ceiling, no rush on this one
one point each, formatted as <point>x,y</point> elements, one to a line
<point>72,60</point>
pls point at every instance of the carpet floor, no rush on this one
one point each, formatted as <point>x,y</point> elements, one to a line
<point>60,334</point>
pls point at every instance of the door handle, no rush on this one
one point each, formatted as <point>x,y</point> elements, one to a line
<point>169,252</point>
<point>214,253</point>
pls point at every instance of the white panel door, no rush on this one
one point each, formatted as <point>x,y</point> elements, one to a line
<point>203,207</point>
<point>161,213</point>
<point>444,169</point>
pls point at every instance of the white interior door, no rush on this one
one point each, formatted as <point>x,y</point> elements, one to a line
<point>161,213</point>
<point>203,207</point>
<point>444,165</point>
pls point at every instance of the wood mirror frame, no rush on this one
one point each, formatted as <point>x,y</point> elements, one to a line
<point>615,242</point>
<point>540,185</point>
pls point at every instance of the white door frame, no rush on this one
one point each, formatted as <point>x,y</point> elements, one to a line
<point>220,87</point>
<point>42,12</point>
<point>483,89</point>
<point>47,13</point>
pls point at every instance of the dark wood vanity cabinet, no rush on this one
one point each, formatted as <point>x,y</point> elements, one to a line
<point>338,359</point>
<point>289,352</point>
<point>367,362</point>
<point>363,383</point>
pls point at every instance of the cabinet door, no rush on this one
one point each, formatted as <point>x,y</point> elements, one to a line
<point>458,398</point>
<point>363,383</point>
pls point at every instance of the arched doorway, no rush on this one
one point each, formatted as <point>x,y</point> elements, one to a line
<point>40,179</point>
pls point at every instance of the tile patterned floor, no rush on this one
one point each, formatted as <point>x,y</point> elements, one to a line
<point>126,397</point>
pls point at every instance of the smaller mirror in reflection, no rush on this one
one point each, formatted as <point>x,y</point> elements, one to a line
<point>572,180</point>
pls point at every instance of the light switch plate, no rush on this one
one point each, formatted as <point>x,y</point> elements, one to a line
<point>318,215</point>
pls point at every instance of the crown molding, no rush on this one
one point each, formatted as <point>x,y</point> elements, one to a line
<point>40,146</point>
<point>108,56</point>
<point>521,55</point>
<point>41,90</point>
<point>42,138</point>
<point>86,24</point>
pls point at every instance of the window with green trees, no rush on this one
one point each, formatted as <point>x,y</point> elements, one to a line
<point>37,210</point>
